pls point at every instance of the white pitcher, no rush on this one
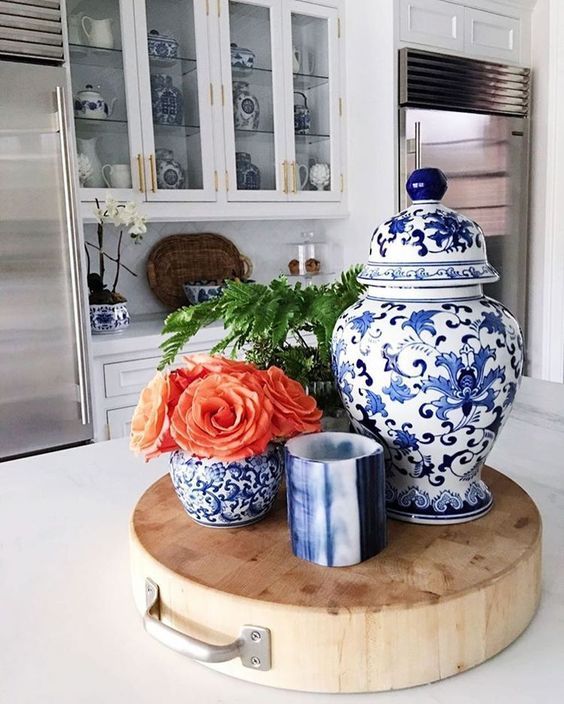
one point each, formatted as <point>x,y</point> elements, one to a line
<point>117,175</point>
<point>98,32</point>
<point>88,148</point>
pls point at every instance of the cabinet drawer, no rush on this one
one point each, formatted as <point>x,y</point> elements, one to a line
<point>432,22</point>
<point>119,422</point>
<point>129,377</point>
<point>488,34</point>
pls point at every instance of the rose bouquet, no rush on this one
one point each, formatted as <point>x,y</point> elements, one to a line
<point>222,421</point>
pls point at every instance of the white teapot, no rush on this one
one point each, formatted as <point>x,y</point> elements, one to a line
<point>89,103</point>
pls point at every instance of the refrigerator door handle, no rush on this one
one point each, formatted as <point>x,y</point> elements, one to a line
<point>417,145</point>
<point>72,227</point>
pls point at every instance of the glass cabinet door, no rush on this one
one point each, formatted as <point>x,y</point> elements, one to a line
<point>175,94</point>
<point>103,73</point>
<point>311,36</point>
<point>253,98</point>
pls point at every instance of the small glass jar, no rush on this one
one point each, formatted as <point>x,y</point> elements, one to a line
<point>308,257</point>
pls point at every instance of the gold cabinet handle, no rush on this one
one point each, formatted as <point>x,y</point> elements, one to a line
<point>294,168</point>
<point>285,176</point>
<point>141,173</point>
<point>153,173</point>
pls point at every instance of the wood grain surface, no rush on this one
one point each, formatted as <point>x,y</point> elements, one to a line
<point>438,600</point>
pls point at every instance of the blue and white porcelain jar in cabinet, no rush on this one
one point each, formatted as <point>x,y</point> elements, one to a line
<point>424,362</point>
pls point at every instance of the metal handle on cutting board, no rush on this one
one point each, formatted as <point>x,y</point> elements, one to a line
<point>72,235</point>
<point>252,645</point>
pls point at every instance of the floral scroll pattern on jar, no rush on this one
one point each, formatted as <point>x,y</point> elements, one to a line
<point>425,363</point>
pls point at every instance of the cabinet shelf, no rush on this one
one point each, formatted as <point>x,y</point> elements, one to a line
<point>263,77</point>
<point>186,64</point>
<point>175,130</point>
<point>301,139</point>
<point>107,126</point>
<point>81,54</point>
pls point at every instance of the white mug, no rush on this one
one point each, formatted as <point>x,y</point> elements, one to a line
<point>303,175</point>
<point>98,32</point>
<point>304,59</point>
<point>119,175</point>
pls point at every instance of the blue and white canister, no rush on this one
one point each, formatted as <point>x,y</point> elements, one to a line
<point>246,109</point>
<point>336,498</point>
<point>424,362</point>
<point>167,101</point>
<point>222,494</point>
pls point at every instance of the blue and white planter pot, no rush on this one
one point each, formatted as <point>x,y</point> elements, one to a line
<point>242,60</point>
<point>202,291</point>
<point>336,498</point>
<point>428,365</point>
<point>108,318</point>
<point>216,493</point>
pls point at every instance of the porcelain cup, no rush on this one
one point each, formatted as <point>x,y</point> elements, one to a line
<point>98,32</point>
<point>117,175</point>
<point>304,59</point>
<point>336,498</point>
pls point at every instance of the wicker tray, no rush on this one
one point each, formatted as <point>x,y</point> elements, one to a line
<point>177,259</point>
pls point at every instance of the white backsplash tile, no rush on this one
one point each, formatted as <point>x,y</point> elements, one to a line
<point>266,242</point>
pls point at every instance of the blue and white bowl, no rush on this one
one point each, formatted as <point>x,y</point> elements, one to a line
<point>202,291</point>
<point>336,498</point>
<point>107,318</point>
<point>217,494</point>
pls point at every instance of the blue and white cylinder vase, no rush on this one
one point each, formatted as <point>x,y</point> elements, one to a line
<point>336,498</point>
<point>222,494</point>
<point>424,362</point>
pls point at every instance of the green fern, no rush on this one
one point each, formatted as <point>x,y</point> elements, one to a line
<point>270,323</point>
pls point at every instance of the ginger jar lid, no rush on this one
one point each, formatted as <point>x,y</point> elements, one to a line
<point>427,245</point>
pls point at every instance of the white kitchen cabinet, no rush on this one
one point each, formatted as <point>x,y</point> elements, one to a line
<point>469,28</point>
<point>119,422</point>
<point>432,22</point>
<point>122,365</point>
<point>489,34</point>
<point>171,126</point>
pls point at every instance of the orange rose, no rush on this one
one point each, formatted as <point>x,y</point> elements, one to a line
<point>294,412</point>
<point>223,416</point>
<point>150,426</point>
<point>215,364</point>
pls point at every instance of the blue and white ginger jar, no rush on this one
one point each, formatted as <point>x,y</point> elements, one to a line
<point>162,46</point>
<point>217,493</point>
<point>167,101</point>
<point>424,362</point>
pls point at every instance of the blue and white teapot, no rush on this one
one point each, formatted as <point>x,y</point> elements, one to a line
<point>424,362</point>
<point>89,103</point>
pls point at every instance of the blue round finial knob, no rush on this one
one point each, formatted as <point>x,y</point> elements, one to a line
<point>426,184</point>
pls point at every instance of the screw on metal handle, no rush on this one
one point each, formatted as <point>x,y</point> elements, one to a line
<point>252,645</point>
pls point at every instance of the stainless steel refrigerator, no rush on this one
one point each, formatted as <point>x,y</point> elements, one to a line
<point>44,387</point>
<point>470,118</point>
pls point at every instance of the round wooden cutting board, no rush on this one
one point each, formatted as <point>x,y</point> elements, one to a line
<point>437,601</point>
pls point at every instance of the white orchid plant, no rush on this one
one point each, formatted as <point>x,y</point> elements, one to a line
<point>125,217</point>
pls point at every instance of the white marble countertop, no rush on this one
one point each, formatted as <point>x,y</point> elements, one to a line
<point>69,631</point>
<point>145,333</point>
